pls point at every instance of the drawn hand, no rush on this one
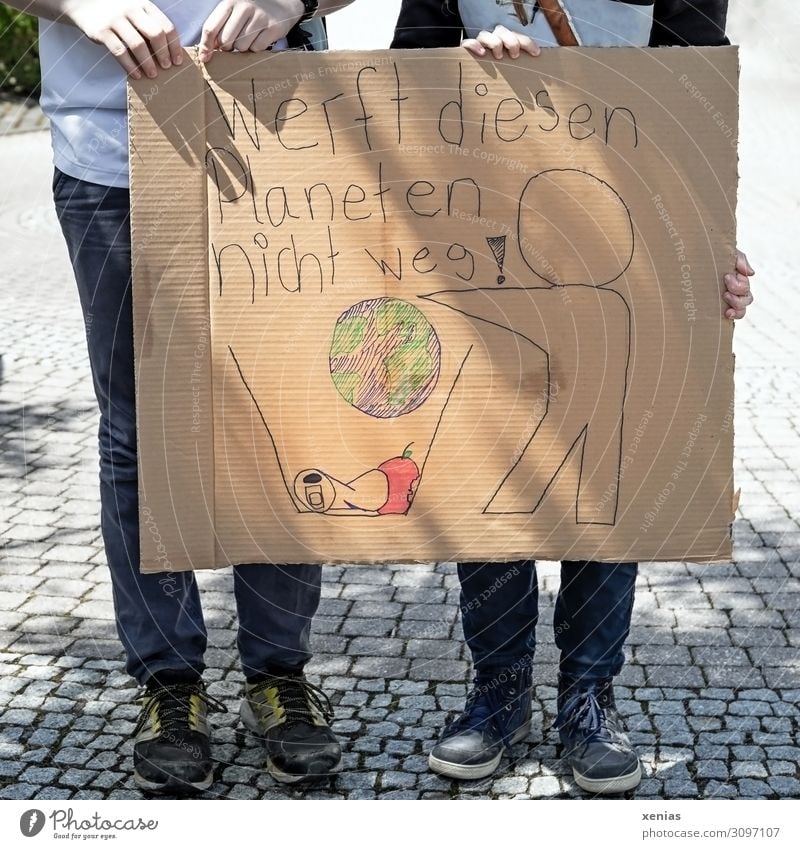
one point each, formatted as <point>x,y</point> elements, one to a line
<point>737,288</point>
<point>247,25</point>
<point>137,34</point>
<point>500,40</point>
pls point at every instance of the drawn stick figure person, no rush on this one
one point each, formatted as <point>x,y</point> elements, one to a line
<point>574,233</point>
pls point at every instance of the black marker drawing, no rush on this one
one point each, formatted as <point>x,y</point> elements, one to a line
<point>564,219</point>
<point>497,245</point>
<point>388,489</point>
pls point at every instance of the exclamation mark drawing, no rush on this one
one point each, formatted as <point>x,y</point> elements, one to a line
<point>497,245</point>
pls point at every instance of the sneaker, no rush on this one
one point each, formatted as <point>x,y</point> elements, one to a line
<point>291,715</point>
<point>172,752</point>
<point>497,715</point>
<point>595,744</point>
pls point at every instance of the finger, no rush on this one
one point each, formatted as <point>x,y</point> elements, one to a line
<point>738,301</point>
<point>737,284</point>
<point>245,41</point>
<point>120,52</point>
<point>742,264</point>
<point>137,45</point>
<point>734,314</point>
<point>259,25</point>
<point>234,26</point>
<point>263,41</point>
<point>211,30</point>
<point>491,42</point>
<point>171,34</point>
<point>509,39</point>
<point>152,28</point>
<point>474,46</point>
<point>529,45</point>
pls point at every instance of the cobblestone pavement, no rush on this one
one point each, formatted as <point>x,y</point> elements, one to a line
<point>712,686</point>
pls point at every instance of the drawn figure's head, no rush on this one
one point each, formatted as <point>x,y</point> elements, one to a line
<point>574,228</point>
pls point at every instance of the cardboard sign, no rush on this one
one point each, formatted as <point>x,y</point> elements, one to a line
<point>412,306</point>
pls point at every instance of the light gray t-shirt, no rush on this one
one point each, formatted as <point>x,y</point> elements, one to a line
<point>84,96</point>
<point>598,23</point>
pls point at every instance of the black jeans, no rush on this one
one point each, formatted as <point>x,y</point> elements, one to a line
<point>158,615</point>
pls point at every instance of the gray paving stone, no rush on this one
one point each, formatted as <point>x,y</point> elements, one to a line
<point>380,667</point>
<point>71,756</point>
<point>77,778</point>
<point>367,627</point>
<point>376,646</point>
<point>667,676</point>
<point>22,790</point>
<point>392,780</point>
<point>439,670</point>
<point>785,787</point>
<point>717,790</point>
<point>750,788</point>
<point>712,769</point>
<point>748,769</point>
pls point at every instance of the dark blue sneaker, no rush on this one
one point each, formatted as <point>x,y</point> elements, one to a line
<point>595,744</point>
<point>497,715</point>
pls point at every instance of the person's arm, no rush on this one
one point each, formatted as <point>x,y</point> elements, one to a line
<point>142,38</point>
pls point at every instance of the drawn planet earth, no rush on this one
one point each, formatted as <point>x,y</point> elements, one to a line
<point>384,357</point>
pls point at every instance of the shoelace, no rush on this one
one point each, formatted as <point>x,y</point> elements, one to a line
<point>299,698</point>
<point>583,715</point>
<point>487,704</point>
<point>173,705</point>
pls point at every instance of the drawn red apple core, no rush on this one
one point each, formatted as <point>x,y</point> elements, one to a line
<point>401,473</point>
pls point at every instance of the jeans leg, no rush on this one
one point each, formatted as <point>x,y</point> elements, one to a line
<point>592,617</point>
<point>276,605</point>
<point>499,611</point>
<point>158,616</point>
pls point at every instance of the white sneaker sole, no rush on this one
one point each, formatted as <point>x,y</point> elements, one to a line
<point>471,772</point>
<point>609,785</point>
<point>173,786</point>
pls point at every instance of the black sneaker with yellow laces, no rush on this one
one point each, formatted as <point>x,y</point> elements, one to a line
<point>171,752</point>
<point>292,717</point>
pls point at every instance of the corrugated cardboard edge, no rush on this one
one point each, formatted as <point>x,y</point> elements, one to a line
<point>176,506</point>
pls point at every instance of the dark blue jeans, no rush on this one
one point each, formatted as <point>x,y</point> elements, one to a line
<point>591,621</point>
<point>158,616</point>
